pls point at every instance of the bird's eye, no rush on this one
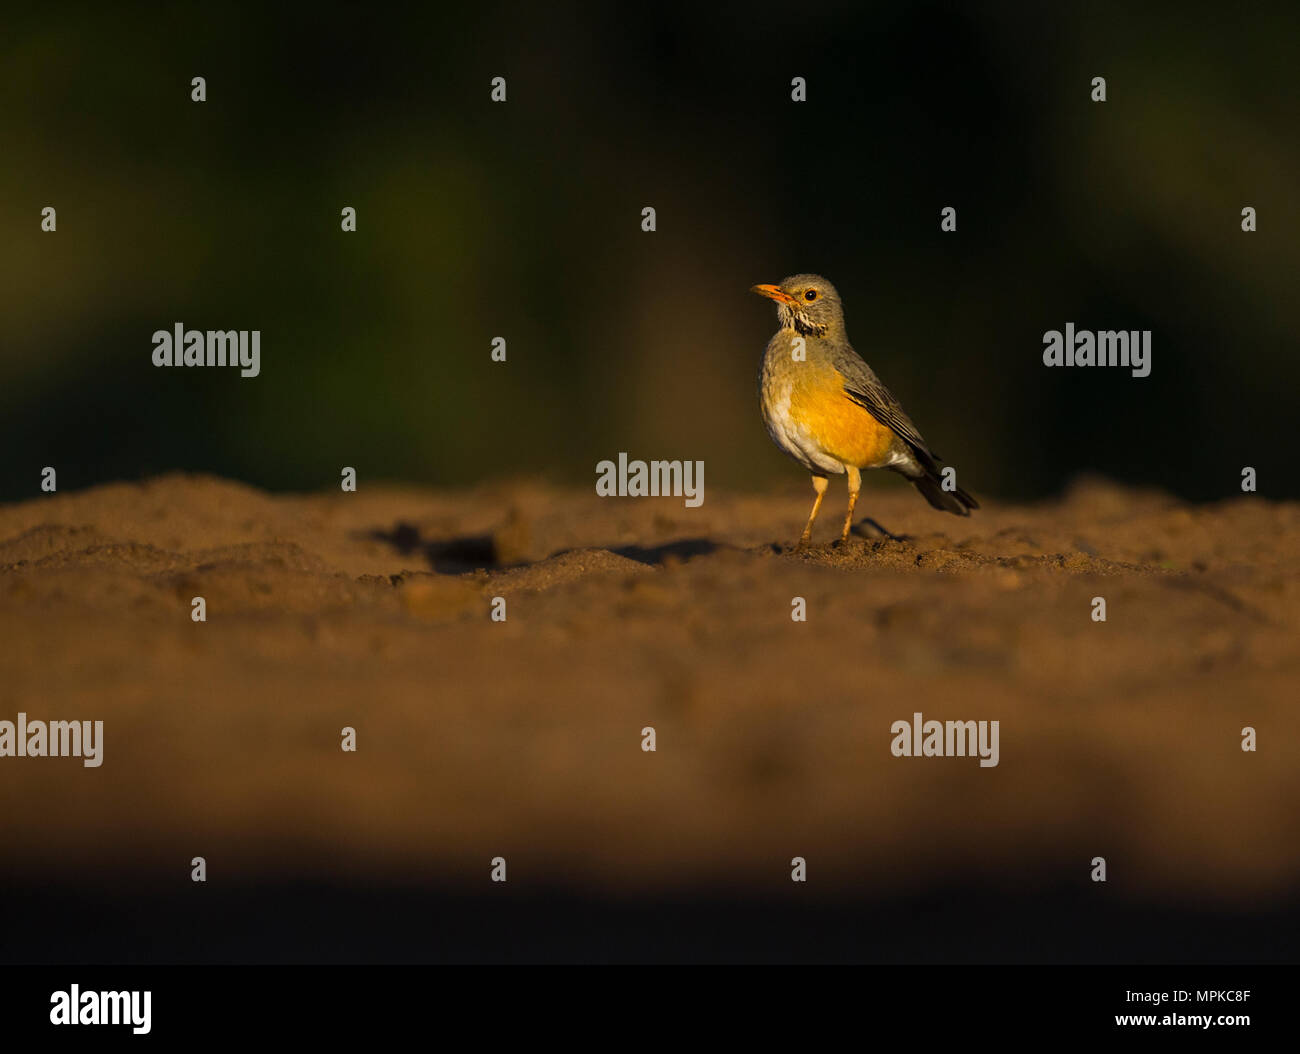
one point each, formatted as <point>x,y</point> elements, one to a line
<point>810,295</point>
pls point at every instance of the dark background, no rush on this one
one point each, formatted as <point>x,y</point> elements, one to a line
<point>522,220</point>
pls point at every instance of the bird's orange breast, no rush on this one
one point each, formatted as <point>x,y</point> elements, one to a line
<point>841,427</point>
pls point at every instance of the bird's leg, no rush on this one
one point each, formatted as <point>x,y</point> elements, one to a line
<point>819,485</point>
<point>855,485</point>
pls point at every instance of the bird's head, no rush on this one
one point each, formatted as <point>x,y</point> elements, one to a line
<point>806,303</point>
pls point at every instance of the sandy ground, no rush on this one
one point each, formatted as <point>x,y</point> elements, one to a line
<point>523,739</point>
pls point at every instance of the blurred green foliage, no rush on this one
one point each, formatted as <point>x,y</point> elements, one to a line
<point>522,220</point>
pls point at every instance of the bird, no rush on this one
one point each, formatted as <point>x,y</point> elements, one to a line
<point>826,408</point>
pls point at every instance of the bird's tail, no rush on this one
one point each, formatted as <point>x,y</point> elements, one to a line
<point>956,501</point>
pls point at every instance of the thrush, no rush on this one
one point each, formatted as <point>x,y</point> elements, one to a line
<point>825,407</point>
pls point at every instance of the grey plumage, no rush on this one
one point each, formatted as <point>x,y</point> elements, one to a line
<point>866,389</point>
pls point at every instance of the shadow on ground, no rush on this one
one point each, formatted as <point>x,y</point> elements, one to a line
<point>475,552</point>
<point>298,922</point>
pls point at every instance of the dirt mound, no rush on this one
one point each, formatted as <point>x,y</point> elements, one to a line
<point>523,737</point>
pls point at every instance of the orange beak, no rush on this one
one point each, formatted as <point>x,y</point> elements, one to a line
<point>773,293</point>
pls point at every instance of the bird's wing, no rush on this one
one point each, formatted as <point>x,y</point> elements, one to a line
<point>865,388</point>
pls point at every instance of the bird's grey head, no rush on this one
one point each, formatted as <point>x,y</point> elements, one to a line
<point>806,303</point>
